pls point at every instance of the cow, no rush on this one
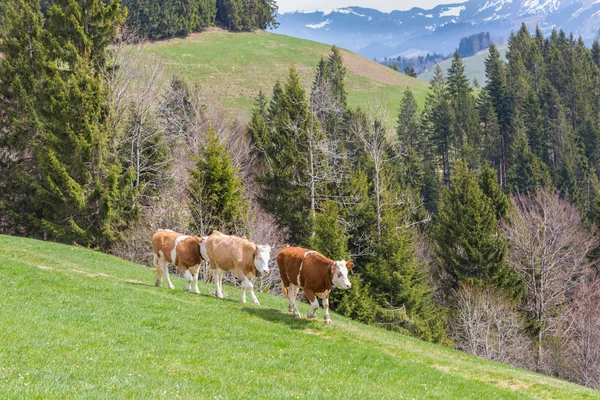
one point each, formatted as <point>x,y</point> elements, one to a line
<point>240,256</point>
<point>185,252</point>
<point>314,273</point>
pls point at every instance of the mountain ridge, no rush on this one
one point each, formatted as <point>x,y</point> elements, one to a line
<point>377,34</point>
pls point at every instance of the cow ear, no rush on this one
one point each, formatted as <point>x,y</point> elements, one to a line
<point>349,265</point>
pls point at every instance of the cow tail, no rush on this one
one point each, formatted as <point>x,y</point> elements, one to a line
<point>284,290</point>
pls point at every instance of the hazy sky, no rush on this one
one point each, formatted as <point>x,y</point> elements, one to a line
<point>383,5</point>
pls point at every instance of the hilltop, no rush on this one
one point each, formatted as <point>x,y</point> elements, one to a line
<point>474,66</point>
<point>233,67</point>
<point>81,324</point>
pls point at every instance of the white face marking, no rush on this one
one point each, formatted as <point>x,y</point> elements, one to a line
<point>174,251</point>
<point>261,260</point>
<point>340,276</point>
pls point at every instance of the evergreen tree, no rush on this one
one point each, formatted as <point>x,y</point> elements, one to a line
<point>409,122</point>
<point>357,302</point>
<point>285,192</point>
<point>410,71</point>
<point>501,98</point>
<point>216,199</point>
<point>467,234</point>
<point>526,173</point>
<point>466,123</point>
<point>329,238</point>
<point>400,283</point>
<point>488,182</point>
<point>439,121</point>
<point>77,190</point>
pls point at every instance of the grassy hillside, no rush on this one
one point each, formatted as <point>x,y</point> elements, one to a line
<point>474,66</point>
<point>75,323</point>
<point>232,67</point>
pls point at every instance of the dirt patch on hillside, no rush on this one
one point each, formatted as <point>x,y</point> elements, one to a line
<point>373,70</point>
<point>45,268</point>
<point>90,274</point>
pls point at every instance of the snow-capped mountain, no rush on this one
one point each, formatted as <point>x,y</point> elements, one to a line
<point>376,34</point>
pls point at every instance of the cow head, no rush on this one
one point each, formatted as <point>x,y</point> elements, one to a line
<point>339,271</point>
<point>261,258</point>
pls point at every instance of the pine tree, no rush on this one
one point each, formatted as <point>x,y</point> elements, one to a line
<point>467,234</point>
<point>22,68</point>
<point>501,98</point>
<point>400,283</point>
<point>488,182</point>
<point>216,198</point>
<point>285,184</point>
<point>329,238</point>
<point>410,71</point>
<point>357,302</point>
<point>439,121</point>
<point>409,122</point>
<point>526,173</point>
<point>77,189</point>
<point>466,124</point>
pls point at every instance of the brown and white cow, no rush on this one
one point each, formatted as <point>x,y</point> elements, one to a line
<point>314,273</point>
<point>185,252</point>
<point>240,256</point>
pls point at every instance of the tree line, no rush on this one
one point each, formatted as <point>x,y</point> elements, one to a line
<point>472,44</point>
<point>161,19</point>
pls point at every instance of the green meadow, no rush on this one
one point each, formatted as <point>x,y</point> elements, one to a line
<point>78,324</point>
<point>232,67</point>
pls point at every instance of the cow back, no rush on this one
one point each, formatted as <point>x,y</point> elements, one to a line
<point>305,268</point>
<point>164,241</point>
<point>231,252</point>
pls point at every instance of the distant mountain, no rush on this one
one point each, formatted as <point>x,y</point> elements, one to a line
<point>376,34</point>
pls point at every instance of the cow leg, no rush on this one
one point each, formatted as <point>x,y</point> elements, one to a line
<point>188,278</point>
<point>292,292</point>
<point>219,282</point>
<point>165,273</point>
<point>326,307</point>
<point>195,270</point>
<point>246,284</point>
<point>314,302</point>
<point>158,271</point>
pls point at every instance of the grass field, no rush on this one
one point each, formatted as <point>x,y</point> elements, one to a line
<point>474,66</point>
<point>233,67</point>
<point>78,324</point>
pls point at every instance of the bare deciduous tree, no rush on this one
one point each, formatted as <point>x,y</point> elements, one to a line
<point>487,324</point>
<point>549,248</point>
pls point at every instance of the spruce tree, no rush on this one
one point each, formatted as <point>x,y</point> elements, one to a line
<point>501,98</point>
<point>467,236</point>
<point>488,182</point>
<point>216,198</point>
<point>329,238</point>
<point>409,122</point>
<point>526,173</point>
<point>465,122</point>
<point>77,189</point>
<point>285,192</point>
<point>439,121</point>
<point>400,282</point>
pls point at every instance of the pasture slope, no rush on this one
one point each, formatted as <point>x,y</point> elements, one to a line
<point>474,66</point>
<point>79,324</point>
<point>233,67</point>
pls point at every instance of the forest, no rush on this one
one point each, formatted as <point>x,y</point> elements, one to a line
<point>471,222</point>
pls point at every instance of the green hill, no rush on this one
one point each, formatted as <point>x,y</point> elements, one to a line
<point>232,67</point>
<point>75,323</point>
<point>474,66</point>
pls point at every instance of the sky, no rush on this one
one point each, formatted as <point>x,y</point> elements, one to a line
<point>382,5</point>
